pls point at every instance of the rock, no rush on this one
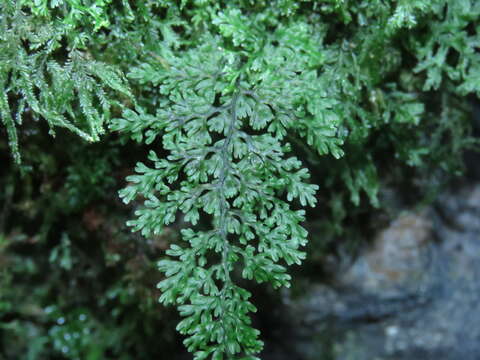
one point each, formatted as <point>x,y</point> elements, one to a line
<point>413,294</point>
<point>396,261</point>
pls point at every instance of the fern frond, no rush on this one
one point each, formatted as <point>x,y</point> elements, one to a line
<point>66,93</point>
<point>220,166</point>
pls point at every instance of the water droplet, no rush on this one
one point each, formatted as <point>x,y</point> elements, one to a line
<point>61,321</point>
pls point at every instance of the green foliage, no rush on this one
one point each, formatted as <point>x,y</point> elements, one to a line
<point>252,110</point>
<point>267,78</point>
<point>449,47</point>
<point>65,251</point>
<point>46,66</point>
<point>220,167</point>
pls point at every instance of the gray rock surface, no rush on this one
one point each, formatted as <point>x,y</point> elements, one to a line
<point>413,294</point>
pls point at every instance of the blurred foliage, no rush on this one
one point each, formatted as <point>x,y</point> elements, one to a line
<point>75,283</point>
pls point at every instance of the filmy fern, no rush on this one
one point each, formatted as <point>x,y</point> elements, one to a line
<point>227,162</point>
<point>66,87</point>
<point>264,83</point>
<point>227,92</point>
